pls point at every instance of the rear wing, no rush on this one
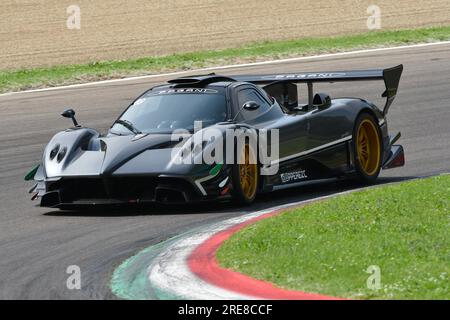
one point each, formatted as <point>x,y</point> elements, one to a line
<point>390,76</point>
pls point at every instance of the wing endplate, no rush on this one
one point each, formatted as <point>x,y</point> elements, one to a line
<point>390,76</point>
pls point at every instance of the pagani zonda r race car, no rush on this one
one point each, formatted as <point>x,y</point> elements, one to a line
<point>137,160</point>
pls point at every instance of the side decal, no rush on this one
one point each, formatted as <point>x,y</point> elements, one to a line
<point>293,176</point>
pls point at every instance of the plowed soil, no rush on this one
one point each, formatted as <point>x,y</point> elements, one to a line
<point>33,33</point>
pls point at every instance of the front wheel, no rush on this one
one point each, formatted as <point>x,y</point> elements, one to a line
<point>245,176</point>
<point>367,148</point>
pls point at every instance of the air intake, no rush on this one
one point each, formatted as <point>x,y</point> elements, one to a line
<point>199,81</point>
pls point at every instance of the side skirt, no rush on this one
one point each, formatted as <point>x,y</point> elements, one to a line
<point>330,163</point>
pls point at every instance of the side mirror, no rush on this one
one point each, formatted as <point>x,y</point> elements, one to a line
<point>322,100</point>
<point>250,105</point>
<point>70,113</point>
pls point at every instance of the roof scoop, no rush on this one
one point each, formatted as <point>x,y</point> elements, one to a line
<point>199,80</point>
<point>184,80</point>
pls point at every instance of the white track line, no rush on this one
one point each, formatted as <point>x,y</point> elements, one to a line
<point>329,55</point>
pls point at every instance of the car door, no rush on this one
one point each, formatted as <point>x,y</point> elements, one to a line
<point>326,126</point>
<point>328,134</point>
<point>292,129</point>
<point>246,94</point>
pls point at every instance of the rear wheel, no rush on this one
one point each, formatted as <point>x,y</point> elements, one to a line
<point>245,176</point>
<point>367,148</point>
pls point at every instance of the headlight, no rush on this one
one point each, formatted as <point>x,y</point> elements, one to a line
<point>54,152</point>
<point>61,154</point>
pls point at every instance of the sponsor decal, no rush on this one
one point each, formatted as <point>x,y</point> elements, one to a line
<point>293,176</point>
<point>187,90</point>
<point>308,76</point>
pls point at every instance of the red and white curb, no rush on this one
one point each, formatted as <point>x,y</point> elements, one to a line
<point>188,269</point>
<point>185,266</point>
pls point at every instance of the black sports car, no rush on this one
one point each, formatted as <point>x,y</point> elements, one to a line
<point>142,158</point>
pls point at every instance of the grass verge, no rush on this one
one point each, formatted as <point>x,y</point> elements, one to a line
<point>327,247</point>
<point>16,80</point>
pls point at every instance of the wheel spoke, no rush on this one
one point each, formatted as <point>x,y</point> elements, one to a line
<point>364,153</point>
<point>247,173</point>
<point>244,185</point>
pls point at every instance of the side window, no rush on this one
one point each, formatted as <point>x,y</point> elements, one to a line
<point>246,95</point>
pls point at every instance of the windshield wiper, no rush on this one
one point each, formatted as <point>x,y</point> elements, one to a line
<point>127,124</point>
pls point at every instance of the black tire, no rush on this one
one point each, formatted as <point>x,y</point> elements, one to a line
<point>368,156</point>
<point>242,196</point>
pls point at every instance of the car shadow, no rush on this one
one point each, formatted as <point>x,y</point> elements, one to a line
<point>262,202</point>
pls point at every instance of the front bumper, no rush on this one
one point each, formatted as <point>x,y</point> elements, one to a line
<point>135,189</point>
<point>80,191</point>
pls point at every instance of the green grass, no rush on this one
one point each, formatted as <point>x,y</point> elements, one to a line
<point>14,80</point>
<point>326,247</point>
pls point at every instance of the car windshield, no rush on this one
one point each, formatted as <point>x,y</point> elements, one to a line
<point>165,112</point>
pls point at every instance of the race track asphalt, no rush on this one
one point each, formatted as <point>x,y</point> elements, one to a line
<point>37,245</point>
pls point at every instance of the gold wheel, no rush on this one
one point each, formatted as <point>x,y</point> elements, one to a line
<point>368,147</point>
<point>248,173</point>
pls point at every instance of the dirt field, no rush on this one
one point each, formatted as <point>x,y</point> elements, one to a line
<point>34,33</point>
